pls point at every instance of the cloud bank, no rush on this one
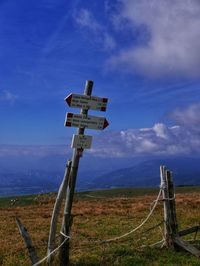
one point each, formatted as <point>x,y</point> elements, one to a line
<point>181,139</point>
<point>160,140</point>
<point>170,33</point>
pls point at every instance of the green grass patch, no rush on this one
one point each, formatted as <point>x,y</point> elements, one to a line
<point>21,200</point>
<point>6,202</point>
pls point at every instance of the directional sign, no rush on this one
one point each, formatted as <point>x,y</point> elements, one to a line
<point>81,142</point>
<point>85,121</point>
<point>86,102</point>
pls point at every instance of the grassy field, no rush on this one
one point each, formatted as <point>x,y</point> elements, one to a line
<point>100,215</point>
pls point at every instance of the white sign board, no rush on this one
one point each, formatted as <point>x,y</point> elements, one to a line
<point>85,121</point>
<point>81,142</point>
<point>86,102</point>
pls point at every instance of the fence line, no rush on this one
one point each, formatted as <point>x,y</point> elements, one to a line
<point>104,241</point>
<point>139,226</point>
<point>170,223</point>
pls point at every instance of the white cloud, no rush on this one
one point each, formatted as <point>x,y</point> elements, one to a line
<point>144,142</point>
<point>173,43</point>
<point>188,117</point>
<point>161,131</point>
<point>85,19</point>
<point>181,139</point>
<point>8,96</point>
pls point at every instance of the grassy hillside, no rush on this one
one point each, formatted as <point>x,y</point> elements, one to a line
<point>98,216</point>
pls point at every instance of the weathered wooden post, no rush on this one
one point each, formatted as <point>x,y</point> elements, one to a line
<point>27,239</point>
<point>170,222</point>
<point>172,205</point>
<point>56,210</point>
<point>80,141</point>
<point>77,153</point>
<point>172,237</point>
<point>165,205</point>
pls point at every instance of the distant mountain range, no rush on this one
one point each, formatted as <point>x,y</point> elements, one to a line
<point>28,182</point>
<point>186,171</point>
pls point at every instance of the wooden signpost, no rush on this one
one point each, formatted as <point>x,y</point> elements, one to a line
<point>79,143</point>
<point>67,187</point>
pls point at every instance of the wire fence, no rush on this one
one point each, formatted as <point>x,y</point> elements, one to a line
<point>93,243</point>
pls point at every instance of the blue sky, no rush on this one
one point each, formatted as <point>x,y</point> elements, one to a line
<point>142,55</point>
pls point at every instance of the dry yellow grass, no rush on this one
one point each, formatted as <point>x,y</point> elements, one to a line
<point>94,219</point>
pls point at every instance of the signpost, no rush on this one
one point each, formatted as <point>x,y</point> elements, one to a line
<point>85,121</point>
<point>79,143</point>
<point>86,102</point>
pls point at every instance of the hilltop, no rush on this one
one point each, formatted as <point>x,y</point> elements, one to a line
<point>98,216</point>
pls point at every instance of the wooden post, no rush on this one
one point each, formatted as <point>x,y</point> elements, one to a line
<point>193,229</point>
<point>172,205</point>
<point>56,210</point>
<point>77,153</point>
<point>165,195</point>
<point>180,243</point>
<point>172,237</point>
<point>66,223</point>
<point>27,239</point>
<point>170,221</point>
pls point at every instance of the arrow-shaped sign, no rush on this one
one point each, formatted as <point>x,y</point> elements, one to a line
<point>86,102</point>
<point>83,121</point>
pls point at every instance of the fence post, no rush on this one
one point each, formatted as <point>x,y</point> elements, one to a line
<point>170,221</point>
<point>172,237</point>
<point>56,210</point>
<point>165,196</point>
<point>172,205</point>
<point>27,239</point>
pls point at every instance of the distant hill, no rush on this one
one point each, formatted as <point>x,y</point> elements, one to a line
<point>28,182</point>
<point>186,171</point>
<point>22,174</point>
<point>39,181</point>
